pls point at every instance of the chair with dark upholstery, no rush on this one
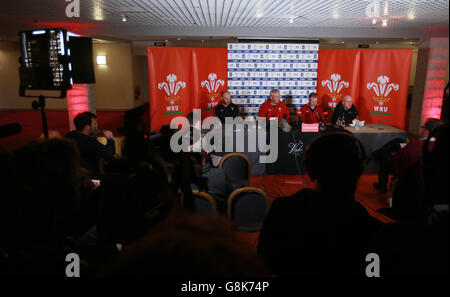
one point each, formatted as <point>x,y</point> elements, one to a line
<point>247,208</point>
<point>204,203</point>
<point>237,167</point>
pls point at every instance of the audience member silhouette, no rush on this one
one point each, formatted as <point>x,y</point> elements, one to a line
<point>43,207</point>
<point>421,248</point>
<point>322,231</point>
<point>186,245</point>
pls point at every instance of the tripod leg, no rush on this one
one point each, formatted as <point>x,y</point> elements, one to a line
<point>43,115</point>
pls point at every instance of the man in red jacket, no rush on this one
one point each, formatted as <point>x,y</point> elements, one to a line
<point>310,112</point>
<point>273,107</point>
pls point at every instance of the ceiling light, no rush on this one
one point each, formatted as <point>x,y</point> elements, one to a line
<point>411,16</point>
<point>374,21</point>
<point>259,13</point>
<point>124,19</point>
<point>179,38</point>
<point>291,20</point>
<point>384,23</point>
<point>335,15</point>
<point>101,60</point>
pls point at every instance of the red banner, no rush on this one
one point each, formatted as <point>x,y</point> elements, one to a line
<point>384,86</point>
<point>376,79</point>
<point>210,73</point>
<point>171,91</point>
<point>337,75</point>
<point>184,78</point>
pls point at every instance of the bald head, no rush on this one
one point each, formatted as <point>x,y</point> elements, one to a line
<point>275,96</point>
<point>226,98</point>
<point>347,102</point>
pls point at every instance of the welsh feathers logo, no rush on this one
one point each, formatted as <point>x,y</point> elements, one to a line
<point>335,85</point>
<point>212,85</point>
<point>382,90</point>
<point>172,87</point>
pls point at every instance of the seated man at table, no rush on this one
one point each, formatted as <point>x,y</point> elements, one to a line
<point>226,108</point>
<point>345,112</point>
<point>273,107</point>
<point>310,112</point>
<point>90,149</point>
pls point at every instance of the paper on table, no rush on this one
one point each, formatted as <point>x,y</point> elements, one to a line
<point>357,123</point>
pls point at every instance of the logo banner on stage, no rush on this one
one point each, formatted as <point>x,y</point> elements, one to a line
<point>170,77</point>
<point>181,79</point>
<point>376,79</point>
<point>210,77</point>
<point>384,86</point>
<point>338,75</point>
<point>256,68</point>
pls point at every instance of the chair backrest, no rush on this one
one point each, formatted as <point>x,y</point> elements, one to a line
<point>204,203</point>
<point>236,166</point>
<point>247,207</point>
<point>118,141</point>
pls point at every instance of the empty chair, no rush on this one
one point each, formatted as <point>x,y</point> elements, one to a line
<point>204,203</point>
<point>247,207</point>
<point>237,167</point>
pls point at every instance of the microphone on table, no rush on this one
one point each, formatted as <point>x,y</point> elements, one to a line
<point>299,114</point>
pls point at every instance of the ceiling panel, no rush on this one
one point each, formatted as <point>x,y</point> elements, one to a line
<point>233,14</point>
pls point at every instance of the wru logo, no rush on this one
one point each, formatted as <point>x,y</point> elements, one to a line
<point>172,87</point>
<point>212,85</point>
<point>382,90</point>
<point>335,86</point>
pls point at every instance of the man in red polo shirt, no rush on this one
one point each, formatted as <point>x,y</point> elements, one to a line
<point>273,107</point>
<point>310,112</point>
